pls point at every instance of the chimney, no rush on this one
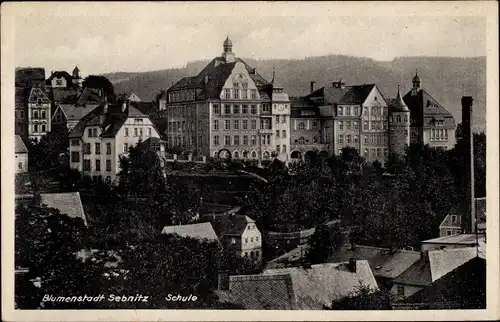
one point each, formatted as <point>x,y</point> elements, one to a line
<point>352,265</point>
<point>254,71</point>
<point>341,84</point>
<point>468,139</point>
<point>223,280</point>
<point>313,86</point>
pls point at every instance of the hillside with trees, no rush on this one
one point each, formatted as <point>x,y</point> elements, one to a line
<point>445,78</point>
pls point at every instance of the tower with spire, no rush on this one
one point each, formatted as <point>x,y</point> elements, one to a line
<point>399,125</point>
<point>227,53</point>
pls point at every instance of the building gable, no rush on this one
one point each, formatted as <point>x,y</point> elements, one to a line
<point>239,75</point>
<point>375,98</point>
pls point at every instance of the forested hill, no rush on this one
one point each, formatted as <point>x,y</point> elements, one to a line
<point>445,78</point>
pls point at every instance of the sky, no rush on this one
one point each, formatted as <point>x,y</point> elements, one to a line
<point>139,37</point>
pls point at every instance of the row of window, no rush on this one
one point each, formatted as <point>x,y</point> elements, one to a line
<point>180,96</point>
<point>354,110</point>
<point>245,154</point>
<point>237,93</point>
<point>87,147</point>
<point>87,166</point>
<point>302,126</point>
<point>246,140</point>
<point>19,114</point>
<point>254,254</point>
<point>367,139</point>
<point>303,140</point>
<point>354,125</point>
<point>236,109</point>
<point>39,128</point>
<point>398,118</point>
<point>251,239</point>
<point>137,132</point>
<point>181,111</point>
<point>38,115</point>
<point>179,126</point>
<point>439,134</point>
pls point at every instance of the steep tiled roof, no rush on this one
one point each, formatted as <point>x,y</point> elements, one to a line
<point>217,72</point>
<point>321,284</point>
<point>75,113</point>
<point>91,96</point>
<point>260,292</point>
<point>19,145</point>
<point>464,287</point>
<point>229,224</point>
<point>332,95</point>
<point>437,264</point>
<point>68,203</point>
<point>383,262</point>
<point>199,231</point>
<point>28,77</point>
<point>21,96</point>
<point>356,94</point>
<point>425,109</point>
<point>36,94</point>
<point>398,105</point>
<point>303,104</point>
<point>59,74</point>
<point>77,131</point>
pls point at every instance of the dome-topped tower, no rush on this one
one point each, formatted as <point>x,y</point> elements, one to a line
<point>416,84</point>
<point>228,54</point>
<point>77,79</point>
<point>399,125</point>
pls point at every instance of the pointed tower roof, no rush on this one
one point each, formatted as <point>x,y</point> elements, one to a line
<point>399,105</point>
<point>228,42</point>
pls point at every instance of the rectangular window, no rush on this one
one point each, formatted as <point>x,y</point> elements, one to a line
<point>453,219</point>
<point>253,93</point>
<point>216,140</point>
<point>97,165</point>
<point>244,94</point>
<point>265,107</point>
<point>277,119</point>
<point>365,125</point>
<point>135,131</point>
<point>149,132</point>
<point>236,124</point>
<point>86,148</point>
<point>348,125</point>
<point>125,147</point>
<point>245,139</point>
<point>75,156</point>
<point>253,124</point>
<point>244,109</point>
<point>283,119</point>
<point>75,142</point>
<point>341,125</point>
<point>126,131</point>
<point>283,134</point>
<point>253,109</point>
<point>253,140</point>
<point>94,132</point>
<point>216,109</point>
<point>86,165</point>
<point>98,148</point>
<point>108,148</point>
<point>348,110</point>
<point>236,140</point>
<point>89,133</point>
<point>277,134</point>
<point>244,124</point>
<point>355,139</point>
<point>341,139</point>
<point>43,128</point>
<point>284,148</point>
<point>227,140</point>
<point>227,125</point>
<point>356,125</point>
<point>235,93</point>
<point>216,125</point>
<point>227,109</point>
<point>278,148</point>
<point>236,109</point>
<point>227,93</point>
<point>348,139</point>
<point>108,165</point>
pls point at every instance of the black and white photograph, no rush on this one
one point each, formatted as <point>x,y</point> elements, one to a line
<point>218,157</point>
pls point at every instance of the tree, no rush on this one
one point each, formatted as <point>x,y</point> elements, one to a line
<point>363,298</point>
<point>325,240</point>
<point>50,151</point>
<point>101,82</point>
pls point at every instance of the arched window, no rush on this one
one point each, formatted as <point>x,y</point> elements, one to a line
<point>301,140</point>
<point>35,114</point>
<point>245,154</point>
<point>236,155</point>
<point>266,155</point>
<point>398,118</point>
<point>254,155</point>
<point>215,154</point>
<point>302,126</point>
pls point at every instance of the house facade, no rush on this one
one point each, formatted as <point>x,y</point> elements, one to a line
<point>102,135</point>
<point>39,113</point>
<point>228,109</point>
<point>21,155</point>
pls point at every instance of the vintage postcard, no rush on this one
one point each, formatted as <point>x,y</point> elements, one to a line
<point>250,161</point>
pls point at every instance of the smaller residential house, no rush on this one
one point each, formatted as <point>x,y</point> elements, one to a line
<point>59,79</point>
<point>201,231</point>
<point>104,134</point>
<point>431,266</point>
<point>296,288</point>
<point>21,153</point>
<point>238,232</point>
<point>452,223</point>
<point>131,97</point>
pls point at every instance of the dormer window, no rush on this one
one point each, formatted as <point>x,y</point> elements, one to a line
<point>39,101</point>
<point>453,219</point>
